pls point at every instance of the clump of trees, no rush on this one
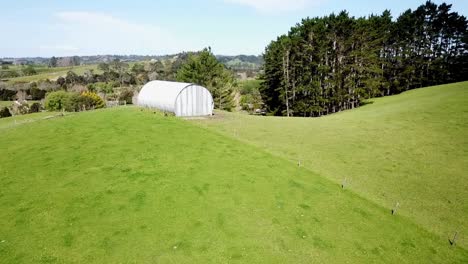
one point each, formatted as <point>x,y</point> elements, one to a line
<point>29,91</point>
<point>204,69</point>
<point>328,64</point>
<point>250,97</point>
<point>20,108</point>
<point>7,94</point>
<point>118,81</point>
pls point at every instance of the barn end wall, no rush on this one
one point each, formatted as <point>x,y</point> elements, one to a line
<point>194,100</point>
<point>183,99</point>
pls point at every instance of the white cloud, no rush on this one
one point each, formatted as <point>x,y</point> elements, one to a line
<point>83,33</point>
<point>277,5</point>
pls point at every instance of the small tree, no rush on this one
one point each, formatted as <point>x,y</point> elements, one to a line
<point>75,61</point>
<point>53,62</point>
<point>36,93</point>
<point>138,68</point>
<point>4,112</point>
<point>94,99</point>
<point>29,70</point>
<point>61,81</point>
<point>126,95</point>
<point>103,67</point>
<point>56,101</point>
<point>204,69</point>
<point>35,107</point>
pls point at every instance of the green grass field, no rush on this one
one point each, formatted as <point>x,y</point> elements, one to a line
<point>23,119</point>
<point>43,73</point>
<point>9,103</point>
<point>129,186</point>
<point>6,103</point>
<point>410,148</point>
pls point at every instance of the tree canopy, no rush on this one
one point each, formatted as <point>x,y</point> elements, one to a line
<point>204,69</point>
<point>331,63</point>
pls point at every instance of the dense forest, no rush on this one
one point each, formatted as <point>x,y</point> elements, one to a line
<point>329,64</point>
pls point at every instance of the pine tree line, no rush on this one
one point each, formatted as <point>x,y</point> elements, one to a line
<point>328,64</point>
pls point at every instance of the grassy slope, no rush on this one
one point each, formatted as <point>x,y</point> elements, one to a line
<point>23,119</point>
<point>410,148</point>
<point>122,185</point>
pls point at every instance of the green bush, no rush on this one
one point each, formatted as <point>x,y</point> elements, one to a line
<point>7,95</point>
<point>94,100</point>
<point>56,101</point>
<point>36,94</point>
<point>126,95</point>
<point>35,107</point>
<point>29,70</point>
<point>92,87</point>
<point>4,112</point>
<point>9,74</point>
<point>73,102</point>
<point>20,109</point>
<point>106,88</point>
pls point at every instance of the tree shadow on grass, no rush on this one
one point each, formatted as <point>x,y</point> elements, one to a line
<point>366,102</point>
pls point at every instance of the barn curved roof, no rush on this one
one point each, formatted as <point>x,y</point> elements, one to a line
<point>161,94</point>
<point>164,96</point>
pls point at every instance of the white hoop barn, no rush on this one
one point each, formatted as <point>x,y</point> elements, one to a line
<point>182,99</point>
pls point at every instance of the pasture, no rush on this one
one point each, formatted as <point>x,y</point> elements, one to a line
<point>126,185</point>
<point>410,149</point>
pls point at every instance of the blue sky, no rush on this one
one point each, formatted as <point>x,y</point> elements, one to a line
<point>89,27</point>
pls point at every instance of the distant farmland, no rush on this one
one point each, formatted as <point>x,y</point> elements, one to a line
<point>44,72</point>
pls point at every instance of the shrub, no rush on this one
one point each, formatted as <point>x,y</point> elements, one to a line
<point>56,101</point>
<point>91,87</point>
<point>7,95</point>
<point>94,100</point>
<point>37,94</point>
<point>9,74</point>
<point>73,102</point>
<point>20,108</point>
<point>47,85</point>
<point>4,112</point>
<point>35,107</point>
<point>126,95</point>
<point>61,82</point>
<point>106,88</point>
<point>29,70</point>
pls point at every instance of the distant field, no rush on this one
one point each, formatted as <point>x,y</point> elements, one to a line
<point>9,103</point>
<point>43,72</point>
<point>128,186</point>
<point>5,103</point>
<point>410,149</point>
